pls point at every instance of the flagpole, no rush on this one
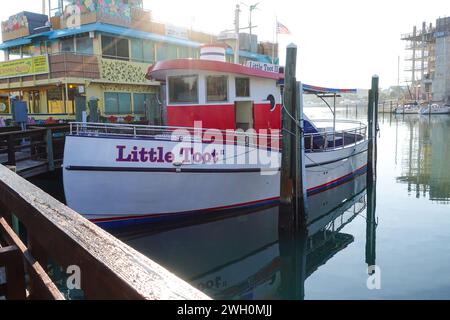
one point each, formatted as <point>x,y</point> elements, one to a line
<point>276,40</point>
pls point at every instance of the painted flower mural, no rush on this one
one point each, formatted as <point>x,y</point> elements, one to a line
<point>115,9</point>
<point>15,22</point>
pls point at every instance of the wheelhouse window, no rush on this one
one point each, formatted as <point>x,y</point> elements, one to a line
<point>243,87</point>
<point>183,89</point>
<point>216,88</point>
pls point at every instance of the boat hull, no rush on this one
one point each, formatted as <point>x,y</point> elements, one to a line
<point>111,192</point>
<point>441,110</point>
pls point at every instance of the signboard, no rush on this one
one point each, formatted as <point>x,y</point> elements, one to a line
<point>24,67</point>
<point>177,32</point>
<point>268,67</point>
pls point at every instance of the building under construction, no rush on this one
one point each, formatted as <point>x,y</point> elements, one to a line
<point>428,61</point>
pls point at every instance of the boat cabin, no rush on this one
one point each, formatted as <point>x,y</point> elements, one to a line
<point>221,95</point>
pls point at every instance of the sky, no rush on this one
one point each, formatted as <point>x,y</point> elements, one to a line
<point>340,43</point>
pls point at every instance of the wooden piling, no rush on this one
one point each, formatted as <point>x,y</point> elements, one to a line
<point>288,141</point>
<point>372,120</point>
<point>293,196</point>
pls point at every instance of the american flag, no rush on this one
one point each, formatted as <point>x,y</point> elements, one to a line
<point>281,29</point>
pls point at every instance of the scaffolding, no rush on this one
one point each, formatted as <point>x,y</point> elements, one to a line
<point>420,62</point>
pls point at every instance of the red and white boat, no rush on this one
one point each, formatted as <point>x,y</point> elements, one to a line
<point>219,151</point>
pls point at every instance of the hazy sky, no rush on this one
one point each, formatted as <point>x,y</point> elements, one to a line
<point>340,43</point>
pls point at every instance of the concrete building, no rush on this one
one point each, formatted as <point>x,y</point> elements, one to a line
<point>428,61</point>
<point>100,51</point>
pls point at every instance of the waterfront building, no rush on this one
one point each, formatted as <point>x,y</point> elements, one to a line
<point>96,60</point>
<point>428,61</point>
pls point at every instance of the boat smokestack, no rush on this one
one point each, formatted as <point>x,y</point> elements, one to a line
<point>213,52</point>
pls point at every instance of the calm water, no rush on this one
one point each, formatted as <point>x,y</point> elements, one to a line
<point>405,232</point>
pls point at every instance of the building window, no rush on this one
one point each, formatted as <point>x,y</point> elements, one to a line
<point>4,104</point>
<point>183,89</point>
<point>55,98</point>
<point>85,45</point>
<point>140,101</point>
<point>242,87</point>
<point>117,103</point>
<point>142,51</point>
<point>116,48</point>
<point>216,88</point>
<point>183,52</point>
<point>15,53</point>
<point>34,102</point>
<point>167,51</point>
<point>27,51</point>
<point>123,50</point>
<point>68,45</point>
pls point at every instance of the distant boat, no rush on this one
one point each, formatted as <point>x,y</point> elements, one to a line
<point>411,108</point>
<point>435,109</point>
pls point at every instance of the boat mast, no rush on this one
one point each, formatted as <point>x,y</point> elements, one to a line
<point>236,30</point>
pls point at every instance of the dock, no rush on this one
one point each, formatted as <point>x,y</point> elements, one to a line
<point>34,151</point>
<point>55,235</point>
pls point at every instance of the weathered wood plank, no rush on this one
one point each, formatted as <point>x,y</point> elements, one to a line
<point>41,284</point>
<point>10,258</point>
<point>110,269</point>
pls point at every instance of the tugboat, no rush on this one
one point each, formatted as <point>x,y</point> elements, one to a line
<point>220,149</point>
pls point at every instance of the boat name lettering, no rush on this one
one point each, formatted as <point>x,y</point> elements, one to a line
<point>159,155</point>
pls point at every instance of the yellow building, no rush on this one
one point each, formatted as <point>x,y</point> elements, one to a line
<point>58,69</point>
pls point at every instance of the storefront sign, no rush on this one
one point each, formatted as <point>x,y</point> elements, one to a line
<point>24,67</point>
<point>177,32</point>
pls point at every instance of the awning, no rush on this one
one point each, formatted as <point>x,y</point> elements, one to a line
<point>14,43</point>
<point>121,31</point>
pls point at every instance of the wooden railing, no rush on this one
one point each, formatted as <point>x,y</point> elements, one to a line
<point>37,149</point>
<point>57,235</point>
<point>61,65</point>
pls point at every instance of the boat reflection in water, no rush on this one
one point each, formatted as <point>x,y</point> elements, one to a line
<point>255,255</point>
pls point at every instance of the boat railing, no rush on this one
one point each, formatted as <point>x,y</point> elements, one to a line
<point>324,139</point>
<point>178,134</point>
<point>329,138</point>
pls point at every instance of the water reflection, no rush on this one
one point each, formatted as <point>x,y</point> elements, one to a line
<point>258,255</point>
<point>424,153</point>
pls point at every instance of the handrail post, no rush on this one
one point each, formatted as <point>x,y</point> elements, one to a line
<point>50,155</point>
<point>11,150</point>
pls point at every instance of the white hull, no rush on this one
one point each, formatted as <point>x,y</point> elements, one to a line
<point>408,111</point>
<point>104,190</point>
<point>439,110</point>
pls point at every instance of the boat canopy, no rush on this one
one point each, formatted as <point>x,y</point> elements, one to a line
<point>321,90</point>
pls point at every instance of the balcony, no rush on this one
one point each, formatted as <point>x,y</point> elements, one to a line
<point>61,65</point>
